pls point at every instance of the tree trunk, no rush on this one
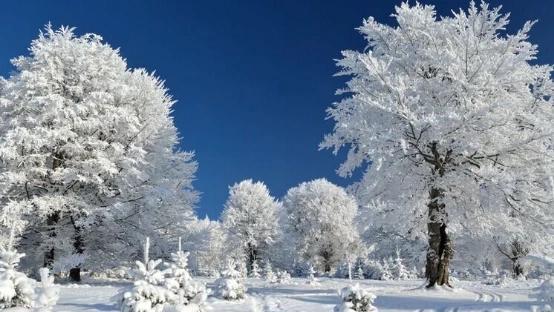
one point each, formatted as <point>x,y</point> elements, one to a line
<point>440,250</point>
<point>252,256</point>
<point>79,246</point>
<point>326,261</point>
<point>50,253</point>
<point>517,268</point>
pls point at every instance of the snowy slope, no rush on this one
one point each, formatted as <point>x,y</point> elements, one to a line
<point>300,297</point>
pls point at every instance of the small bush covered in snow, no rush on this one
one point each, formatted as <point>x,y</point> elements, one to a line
<point>229,286</point>
<point>312,280</point>
<point>283,277</point>
<point>47,294</point>
<point>255,272</point>
<point>16,288</point>
<point>355,299</point>
<point>268,273</point>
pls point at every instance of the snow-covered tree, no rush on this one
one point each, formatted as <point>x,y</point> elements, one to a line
<point>514,250</point>
<point>268,273</point>
<point>320,222</point>
<point>88,152</point>
<point>149,293</point>
<point>189,293</point>
<point>47,293</point>
<point>355,299</point>
<point>399,270</point>
<point>310,272</point>
<point>206,241</point>
<point>250,217</point>
<point>443,112</point>
<point>387,269</point>
<point>230,285</point>
<point>255,272</point>
<point>16,289</point>
<point>359,274</point>
<point>282,277</point>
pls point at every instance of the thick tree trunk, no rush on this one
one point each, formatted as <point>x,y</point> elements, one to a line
<point>440,251</point>
<point>326,255</point>
<point>252,256</point>
<point>49,255</point>
<point>53,219</point>
<point>517,268</point>
<point>79,246</point>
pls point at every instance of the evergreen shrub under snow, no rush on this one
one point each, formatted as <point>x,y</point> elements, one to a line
<point>16,289</point>
<point>355,299</point>
<point>230,286</point>
<point>189,294</point>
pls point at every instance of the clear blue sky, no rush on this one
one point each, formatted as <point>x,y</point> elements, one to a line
<point>252,78</point>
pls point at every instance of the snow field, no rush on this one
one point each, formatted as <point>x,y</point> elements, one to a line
<point>299,296</point>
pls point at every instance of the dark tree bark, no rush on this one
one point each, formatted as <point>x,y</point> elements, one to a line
<point>49,255</point>
<point>326,255</point>
<point>54,218</point>
<point>440,250</point>
<point>252,256</point>
<point>79,246</point>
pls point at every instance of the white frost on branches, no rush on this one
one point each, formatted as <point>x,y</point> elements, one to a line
<point>89,151</point>
<point>454,104</point>
<point>320,223</point>
<point>250,218</point>
<point>230,285</point>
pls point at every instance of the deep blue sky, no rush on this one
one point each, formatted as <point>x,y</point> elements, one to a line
<point>252,78</point>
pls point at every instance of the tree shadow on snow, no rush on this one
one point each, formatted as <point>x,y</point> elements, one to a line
<point>424,303</point>
<point>92,306</point>
<point>289,291</point>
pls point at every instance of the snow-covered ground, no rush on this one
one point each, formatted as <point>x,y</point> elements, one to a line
<point>299,296</point>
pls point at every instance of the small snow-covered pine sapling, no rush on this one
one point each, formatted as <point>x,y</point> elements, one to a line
<point>268,272</point>
<point>47,293</point>
<point>399,269</point>
<point>359,274</point>
<point>179,281</point>
<point>283,277</point>
<point>242,268</point>
<point>149,293</point>
<point>230,286</point>
<point>386,270</point>
<point>355,299</point>
<point>255,272</point>
<point>16,288</point>
<point>311,274</point>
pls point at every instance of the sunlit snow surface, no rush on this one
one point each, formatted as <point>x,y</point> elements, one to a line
<point>299,296</point>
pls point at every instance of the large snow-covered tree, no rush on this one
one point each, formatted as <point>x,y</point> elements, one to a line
<point>250,217</point>
<point>444,112</point>
<point>320,223</point>
<point>88,152</point>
